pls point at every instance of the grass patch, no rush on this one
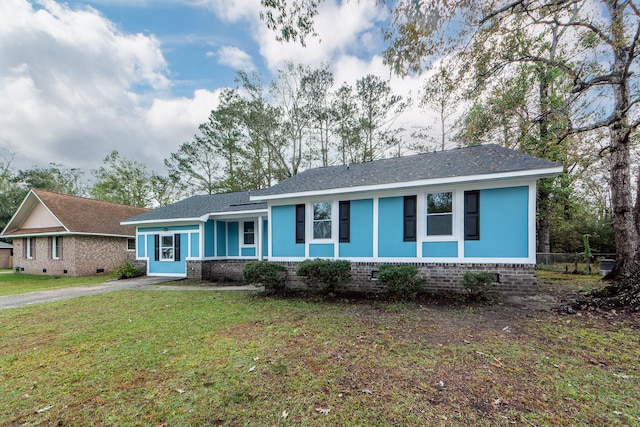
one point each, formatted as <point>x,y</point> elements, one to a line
<point>12,284</point>
<point>222,358</point>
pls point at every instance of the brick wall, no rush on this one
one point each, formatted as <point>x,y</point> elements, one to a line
<point>513,279</point>
<point>81,256</point>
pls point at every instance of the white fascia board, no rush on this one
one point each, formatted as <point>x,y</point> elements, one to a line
<point>236,214</point>
<point>536,173</point>
<point>66,233</point>
<point>173,221</point>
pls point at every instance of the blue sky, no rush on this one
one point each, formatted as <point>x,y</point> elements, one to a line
<point>81,78</point>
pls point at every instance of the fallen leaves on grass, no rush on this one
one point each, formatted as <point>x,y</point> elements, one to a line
<point>285,414</point>
<point>45,409</point>
<point>323,411</point>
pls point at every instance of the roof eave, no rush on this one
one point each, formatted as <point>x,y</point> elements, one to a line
<point>529,173</point>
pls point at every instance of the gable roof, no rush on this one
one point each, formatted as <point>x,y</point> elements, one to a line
<point>75,215</point>
<point>462,164</point>
<point>198,208</point>
<point>4,245</point>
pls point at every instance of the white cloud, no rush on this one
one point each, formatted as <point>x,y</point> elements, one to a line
<point>235,58</point>
<point>233,10</point>
<point>74,87</point>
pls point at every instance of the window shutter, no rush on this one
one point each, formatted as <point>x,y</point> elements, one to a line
<point>300,226</point>
<point>50,247</point>
<point>176,247</point>
<point>59,247</point>
<point>410,218</point>
<point>472,215</point>
<point>25,242</point>
<point>344,215</point>
<point>33,247</point>
<point>156,241</point>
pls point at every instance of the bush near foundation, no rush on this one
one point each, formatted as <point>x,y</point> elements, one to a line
<point>401,280</point>
<point>327,274</point>
<point>272,276</point>
<point>127,270</point>
<point>479,284</point>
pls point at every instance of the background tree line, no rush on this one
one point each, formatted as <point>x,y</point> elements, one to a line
<point>260,134</point>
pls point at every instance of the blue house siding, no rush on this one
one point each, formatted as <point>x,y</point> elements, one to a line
<point>209,236</point>
<point>391,242</point>
<point>141,247</point>
<point>283,232</point>
<point>440,249</point>
<point>248,252</point>
<point>361,241</point>
<point>168,267</point>
<point>233,239</point>
<point>503,224</point>
<point>195,245</point>
<point>221,238</point>
<point>321,250</point>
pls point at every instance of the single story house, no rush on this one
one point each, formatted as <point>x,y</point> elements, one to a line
<point>6,255</point>
<point>449,212</point>
<point>59,234</point>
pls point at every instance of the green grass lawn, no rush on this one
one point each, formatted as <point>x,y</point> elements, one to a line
<point>189,358</point>
<point>11,283</point>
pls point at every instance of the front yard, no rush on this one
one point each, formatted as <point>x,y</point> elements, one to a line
<point>210,358</point>
<point>19,283</point>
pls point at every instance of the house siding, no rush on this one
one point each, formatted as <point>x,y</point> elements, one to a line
<point>361,238</point>
<point>81,255</point>
<point>503,224</point>
<point>391,242</point>
<point>283,233</point>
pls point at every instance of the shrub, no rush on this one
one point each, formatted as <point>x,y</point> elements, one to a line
<point>329,274</point>
<point>127,270</point>
<point>271,275</point>
<point>16,269</point>
<point>401,280</point>
<point>479,284</point>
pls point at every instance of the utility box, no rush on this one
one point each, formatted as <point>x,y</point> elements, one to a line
<point>606,265</point>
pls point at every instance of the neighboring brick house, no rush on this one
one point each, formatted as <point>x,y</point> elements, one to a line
<point>58,234</point>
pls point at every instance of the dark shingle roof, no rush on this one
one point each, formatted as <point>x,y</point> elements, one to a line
<point>197,206</point>
<point>468,161</point>
<point>75,214</point>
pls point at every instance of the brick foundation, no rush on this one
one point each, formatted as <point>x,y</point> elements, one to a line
<point>513,279</point>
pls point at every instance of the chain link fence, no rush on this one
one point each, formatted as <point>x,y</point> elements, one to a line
<point>573,262</point>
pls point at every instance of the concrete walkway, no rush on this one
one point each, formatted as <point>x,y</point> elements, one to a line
<point>138,283</point>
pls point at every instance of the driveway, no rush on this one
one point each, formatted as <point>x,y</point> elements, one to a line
<point>140,283</point>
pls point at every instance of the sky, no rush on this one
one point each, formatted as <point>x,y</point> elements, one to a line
<point>79,79</point>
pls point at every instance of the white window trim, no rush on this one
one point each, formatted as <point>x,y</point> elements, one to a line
<point>173,245</point>
<point>422,206</point>
<point>28,243</point>
<point>135,244</point>
<point>309,224</point>
<point>255,234</point>
<point>54,248</point>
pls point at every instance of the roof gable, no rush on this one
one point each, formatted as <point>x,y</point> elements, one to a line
<point>46,212</point>
<point>484,161</point>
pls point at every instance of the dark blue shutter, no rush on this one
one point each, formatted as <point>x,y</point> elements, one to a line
<point>344,215</point>
<point>410,205</point>
<point>472,215</point>
<point>176,247</point>
<point>300,224</point>
<point>156,241</point>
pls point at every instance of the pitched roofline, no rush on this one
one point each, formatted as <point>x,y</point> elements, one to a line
<point>530,173</point>
<point>24,201</point>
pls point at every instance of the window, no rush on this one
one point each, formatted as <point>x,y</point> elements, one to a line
<point>322,220</point>
<point>440,214</point>
<point>166,248</point>
<point>249,233</point>
<point>131,244</point>
<point>56,247</point>
<point>30,248</point>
